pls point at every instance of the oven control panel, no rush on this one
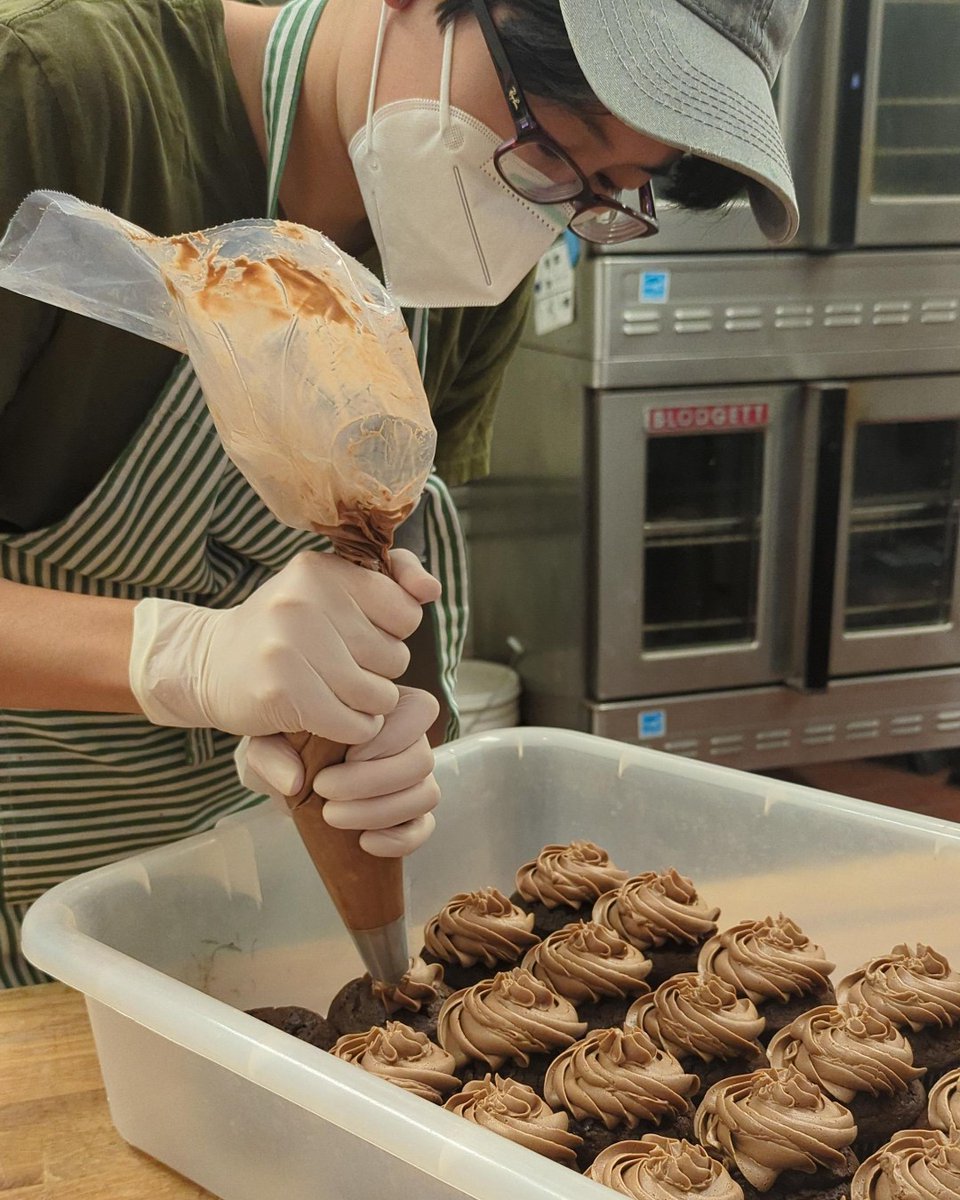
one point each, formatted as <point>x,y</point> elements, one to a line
<point>731,318</point>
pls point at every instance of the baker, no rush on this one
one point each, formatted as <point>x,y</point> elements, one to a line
<point>152,611</point>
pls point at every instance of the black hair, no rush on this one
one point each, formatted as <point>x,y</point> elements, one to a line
<point>538,46</point>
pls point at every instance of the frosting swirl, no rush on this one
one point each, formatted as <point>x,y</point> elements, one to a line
<point>914,988</point>
<point>943,1103</point>
<point>418,987</point>
<point>516,1111</point>
<point>701,1015</point>
<point>771,1121</point>
<point>916,1164</point>
<point>585,962</point>
<point>659,1168</point>
<point>480,926</point>
<point>770,959</point>
<point>569,875</point>
<point>619,1077</point>
<point>511,1016</point>
<point>401,1055</point>
<point>657,907</point>
<point>846,1051</point>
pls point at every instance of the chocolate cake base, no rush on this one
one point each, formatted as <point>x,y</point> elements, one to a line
<point>302,1023</point>
<point>672,958</point>
<point>548,920</point>
<point>596,1136</point>
<point>355,1009</point>
<point>878,1117</point>
<point>457,977</point>
<point>936,1049</point>
<point>533,1074</point>
<point>796,1185</point>
<point>717,1069</point>
<point>777,1015</point>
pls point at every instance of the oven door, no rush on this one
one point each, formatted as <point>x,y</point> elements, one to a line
<point>897,589</point>
<point>696,499</point>
<point>909,140</point>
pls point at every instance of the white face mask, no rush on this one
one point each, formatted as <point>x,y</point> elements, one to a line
<point>449,230</point>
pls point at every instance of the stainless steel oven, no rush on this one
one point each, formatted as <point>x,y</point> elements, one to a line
<point>869,102</point>
<point>726,524</point>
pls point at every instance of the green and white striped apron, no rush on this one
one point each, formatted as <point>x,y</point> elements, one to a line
<point>174,518</point>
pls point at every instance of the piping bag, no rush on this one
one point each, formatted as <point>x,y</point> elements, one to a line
<point>308,372</point>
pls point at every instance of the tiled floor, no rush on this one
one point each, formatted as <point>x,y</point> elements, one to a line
<point>886,781</point>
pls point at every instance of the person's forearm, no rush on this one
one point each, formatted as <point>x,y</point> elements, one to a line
<point>60,650</point>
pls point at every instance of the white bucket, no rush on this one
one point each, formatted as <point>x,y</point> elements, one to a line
<point>488,695</point>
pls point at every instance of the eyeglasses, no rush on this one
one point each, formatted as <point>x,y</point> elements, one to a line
<point>540,170</point>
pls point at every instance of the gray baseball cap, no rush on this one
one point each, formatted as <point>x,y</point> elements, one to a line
<point>697,75</point>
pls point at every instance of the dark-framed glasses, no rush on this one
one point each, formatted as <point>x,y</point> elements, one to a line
<point>540,170</point>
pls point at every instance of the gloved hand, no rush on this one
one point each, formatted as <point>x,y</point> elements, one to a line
<point>315,648</point>
<point>385,786</point>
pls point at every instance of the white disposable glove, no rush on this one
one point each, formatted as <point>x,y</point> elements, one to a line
<point>384,787</point>
<point>315,648</point>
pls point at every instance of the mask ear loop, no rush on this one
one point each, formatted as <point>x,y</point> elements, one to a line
<point>445,69</point>
<point>375,73</point>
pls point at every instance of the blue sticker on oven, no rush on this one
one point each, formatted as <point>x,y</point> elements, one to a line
<point>652,724</point>
<point>655,286</point>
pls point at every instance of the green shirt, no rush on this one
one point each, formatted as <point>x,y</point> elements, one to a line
<point>132,105</point>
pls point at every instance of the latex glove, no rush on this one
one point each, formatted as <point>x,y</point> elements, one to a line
<point>316,648</point>
<point>384,787</point>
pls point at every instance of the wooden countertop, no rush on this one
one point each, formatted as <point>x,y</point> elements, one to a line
<point>56,1138</point>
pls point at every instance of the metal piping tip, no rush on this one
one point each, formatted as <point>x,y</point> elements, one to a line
<point>384,951</point>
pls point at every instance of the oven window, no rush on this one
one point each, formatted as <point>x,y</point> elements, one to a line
<point>903,525</point>
<point>702,540</point>
<point>917,149</point>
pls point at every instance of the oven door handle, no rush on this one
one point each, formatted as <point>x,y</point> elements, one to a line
<point>831,400</point>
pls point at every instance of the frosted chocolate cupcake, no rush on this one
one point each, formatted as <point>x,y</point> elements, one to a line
<point>661,914</point>
<point>616,1083</point>
<point>417,998</point>
<point>703,1023</point>
<point>943,1104</point>
<point>858,1057</point>
<point>779,1135</point>
<point>512,1023</point>
<point>659,1168</point>
<point>562,882</point>
<point>916,1164</point>
<point>515,1111</point>
<point>301,1023</point>
<point>477,934</point>
<point>919,993</point>
<point>402,1056</point>
<point>774,964</point>
<point>597,971</point>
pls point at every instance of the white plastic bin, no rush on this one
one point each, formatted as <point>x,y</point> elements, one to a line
<point>488,696</point>
<point>171,945</point>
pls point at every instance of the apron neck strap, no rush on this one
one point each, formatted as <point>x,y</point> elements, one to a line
<point>283,68</point>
